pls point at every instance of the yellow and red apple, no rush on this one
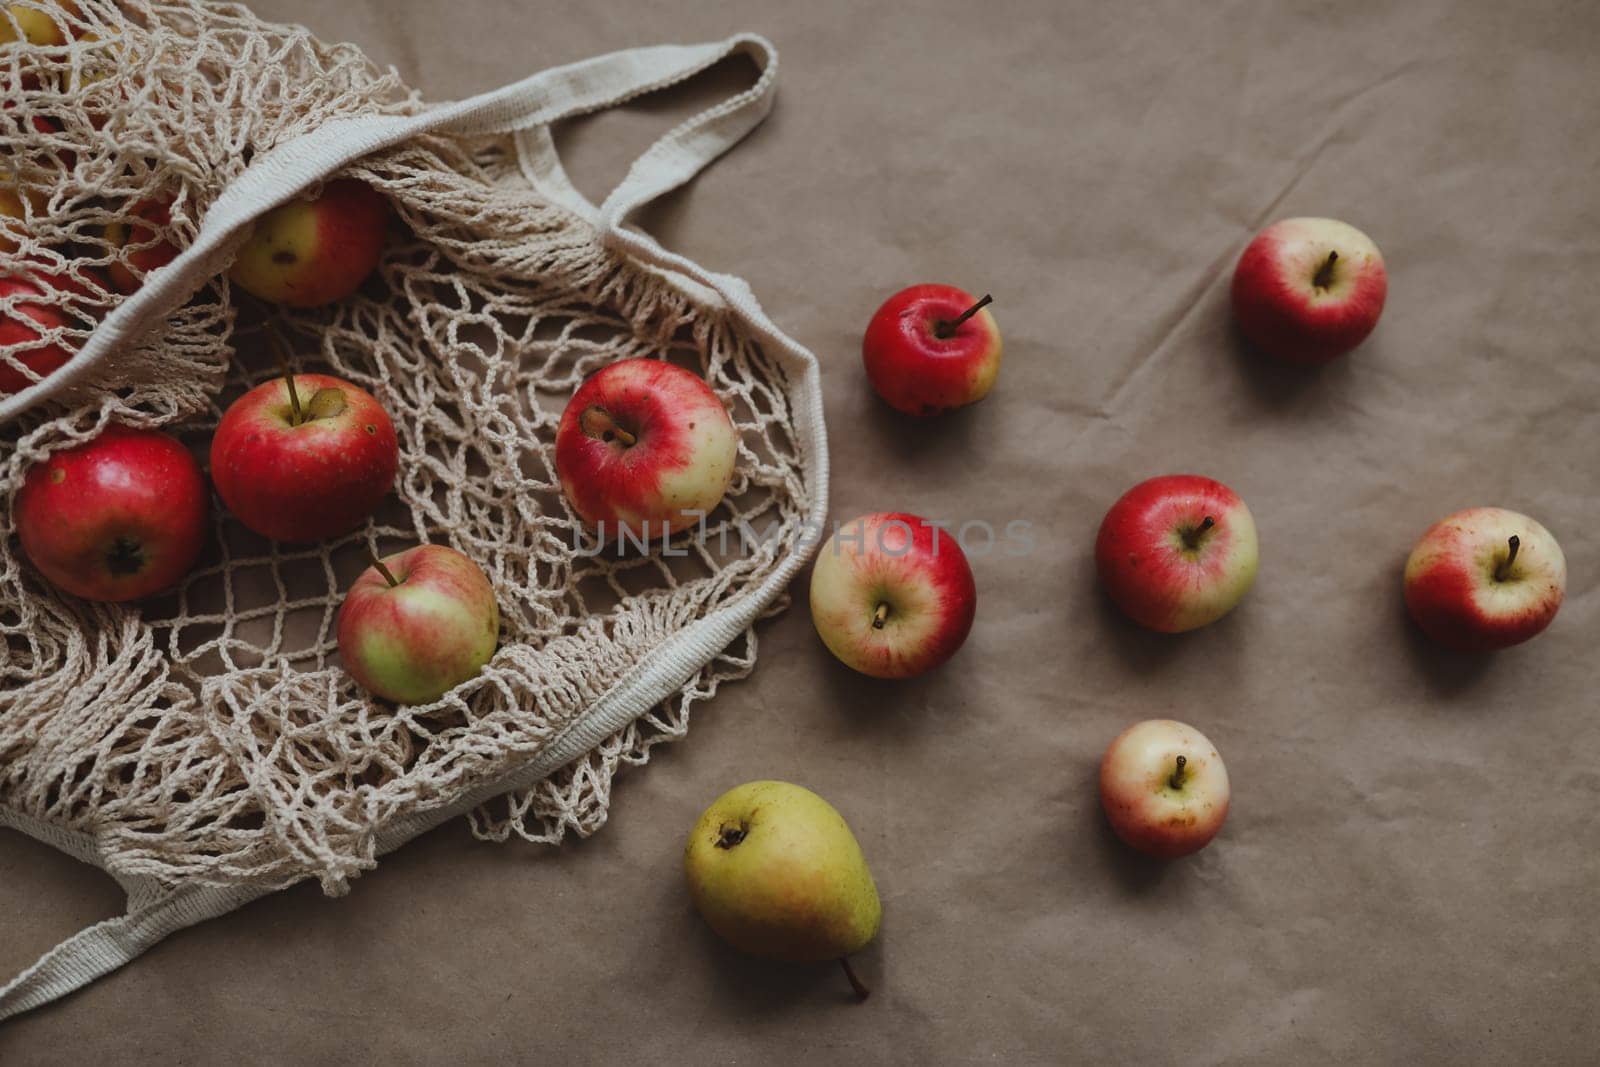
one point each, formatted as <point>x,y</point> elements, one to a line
<point>307,253</point>
<point>304,457</point>
<point>892,595</point>
<point>138,240</point>
<point>418,623</point>
<point>1485,579</point>
<point>1164,788</point>
<point>1177,552</point>
<point>1308,290</point>
<point>117,518</point>
<point>931,348</point>
<point>644,448</point>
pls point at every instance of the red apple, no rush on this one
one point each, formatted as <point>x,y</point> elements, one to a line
<point>141,244</point>
<point>1177,552</point>
<point>36,306</point>
<point>1309,290</point>
<point>1164,788</point>
<point>1485,579</point>
<point>644,447</point>
<point>931,348</point>
<point>313,252</point>
<point>892,595</point>
<point>116,518</point>
<point>418,623</point>
<point>304,461</point>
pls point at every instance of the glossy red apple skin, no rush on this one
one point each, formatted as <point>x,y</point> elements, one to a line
<point>915,369</point>
<point>916,572</point>
<point>311,482</point>
<point>415,641</point>
<point>1150,570</point>
<point>117,518</point>
<point>1460,592</point>
<point>678,465</point>
<point>1136,789</point>
<point>148,253</point>
<point>1281,309</point>
<point>22,325</point>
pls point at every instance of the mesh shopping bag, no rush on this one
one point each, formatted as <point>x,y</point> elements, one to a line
<point>205,747</point>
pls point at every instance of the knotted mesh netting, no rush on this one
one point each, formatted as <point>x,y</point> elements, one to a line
<point>209,734</point>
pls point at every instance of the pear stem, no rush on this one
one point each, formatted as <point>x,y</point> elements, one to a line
<point>281,351</point>
<point>1324,277</point>
<point>1502,572</point>
<point>880,616</point>
<point>388,575</point>
<point>948,329</point>
<point>862,992</point>
<point>1175,780</point>
<point>1192,538</point>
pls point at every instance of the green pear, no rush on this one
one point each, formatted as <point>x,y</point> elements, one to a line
<point>775,870</point>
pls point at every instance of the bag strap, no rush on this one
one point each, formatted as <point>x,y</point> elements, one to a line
<point>528,107</point>
<point>549,96</point>
<point>685,151</point>
<point>678,155</point>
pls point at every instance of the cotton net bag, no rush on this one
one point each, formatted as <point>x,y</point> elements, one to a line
<point>205,747</point>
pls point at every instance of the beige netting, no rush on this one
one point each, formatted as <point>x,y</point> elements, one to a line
<point>210,736</point>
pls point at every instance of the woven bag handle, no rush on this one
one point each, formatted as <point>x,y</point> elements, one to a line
<point>549,96</point>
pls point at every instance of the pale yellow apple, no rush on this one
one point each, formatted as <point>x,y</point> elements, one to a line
<point>775,870</point>
<point>38,27</point>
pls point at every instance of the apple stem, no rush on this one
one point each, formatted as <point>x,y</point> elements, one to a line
<point>1324,276</point>
<point>1502,572</point>
<point>281,351</point>
<point>1175,780</point>
<point>862,992</point>
<point>1192,538</point>
<point>388,575</point>
<point>880,616</point>
<point>627,439</point>
<point>948,329</point>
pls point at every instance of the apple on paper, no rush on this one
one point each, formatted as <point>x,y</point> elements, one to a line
<point>418,623</point>
<point>932,348</point>
<point>1177,552</point>
<point>1164,788</point>
<point>307,253</point>
<point>1485,579</point>
<point>774,870</point>
<point>140,243</point>
<point>1308,290</point>
<point>305,457</point>
<point>117,518</point>
<point>644,447</point>
<point>892,595</point>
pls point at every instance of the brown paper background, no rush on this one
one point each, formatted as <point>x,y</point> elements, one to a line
<point>1410,869</point>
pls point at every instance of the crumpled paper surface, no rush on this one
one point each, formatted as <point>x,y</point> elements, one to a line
<point>1410,867</point>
